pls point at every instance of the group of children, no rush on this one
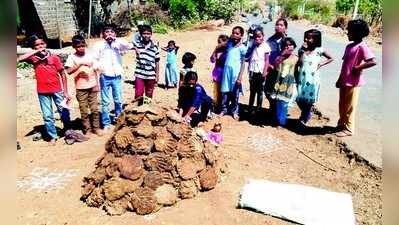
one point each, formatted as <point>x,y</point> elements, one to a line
<point>273,69</point>
<point>286,77</point>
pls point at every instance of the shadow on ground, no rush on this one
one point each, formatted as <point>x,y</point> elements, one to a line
<point>39,132</point>
<point>263,117</point>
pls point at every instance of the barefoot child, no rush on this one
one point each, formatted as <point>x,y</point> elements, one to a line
<point>258,68</point>
<point>51,84</point>
<point>192,97</point>
<point>218,57</point>
<point>188,61</point>
<point>284,85</point>
<point>310,61</point>
<point>357,57</point>
<point>171,72</point>
<point>232,73</point>
<point>81,66</point>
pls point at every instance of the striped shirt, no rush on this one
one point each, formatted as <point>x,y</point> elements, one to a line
<point>146,61</point>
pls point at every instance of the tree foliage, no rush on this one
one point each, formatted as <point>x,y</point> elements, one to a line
<point>369,10</point>
<point>191,11</point>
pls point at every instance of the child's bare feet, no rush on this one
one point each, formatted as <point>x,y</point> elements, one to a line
<point>344,133</point>
<point>236,117</point>
<point>98,132</point>
<point>52,142</point>
<point>108,129</point>
<point>88,135</point>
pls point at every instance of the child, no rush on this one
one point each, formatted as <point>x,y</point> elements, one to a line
<point>310,61</point>
<point>357,57</point>
<point>284,85</point>
<point>192,97</point>
<point>232,73</point>
<point>218,57</point>
<point>275,40</point>
<point>51,84</point>
<point>147,65</point>
<point>258,68</point>
<point>188,60</point>
<point>108,55</point>
<point>171,65</point>
<point>81,65</point>
<point>274,43</point>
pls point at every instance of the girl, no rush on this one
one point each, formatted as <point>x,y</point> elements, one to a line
<point>258,68</point>
<point>218,57</point>
<point>51,84</point>
<point>192,97</point>
<point>357,57</point>
<point>275,46</point>
<point>188,60</point>
<point>284,85</point>
<point>232,72</point>
<point>275,40</point>
<point>171,72</point>
<point>310,61</point>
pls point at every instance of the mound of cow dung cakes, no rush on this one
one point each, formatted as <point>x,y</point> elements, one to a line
<point>152,160</point>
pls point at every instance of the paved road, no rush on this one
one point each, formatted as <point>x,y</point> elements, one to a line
<point>368,139</point>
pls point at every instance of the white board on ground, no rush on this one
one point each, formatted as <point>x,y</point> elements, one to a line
<point>298,203</point>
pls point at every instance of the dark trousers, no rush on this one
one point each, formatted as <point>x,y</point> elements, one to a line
<point>88,101</point>
<point>205,108</point>
<point>230,101</point>
<point>306,111</point>
<point>256,87</point>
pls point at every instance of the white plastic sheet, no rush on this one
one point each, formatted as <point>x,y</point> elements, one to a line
<point>298,203</point>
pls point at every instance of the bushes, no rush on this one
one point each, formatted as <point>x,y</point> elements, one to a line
<point>219,9</point>
<point>326,12</point>
<point>184,13</point>
<point>315,11</point>
<point>370,10</point>
<point>151,14</point>
<point>320,12</point>
<point>160,28</point>
<point>24,65</point>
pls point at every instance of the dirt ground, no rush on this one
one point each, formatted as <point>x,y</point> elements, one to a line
<point>252,148</point>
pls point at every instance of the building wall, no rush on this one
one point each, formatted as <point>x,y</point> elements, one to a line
<point>47,11</point>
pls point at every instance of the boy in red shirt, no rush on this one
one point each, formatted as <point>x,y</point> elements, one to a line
<point>51,84</point>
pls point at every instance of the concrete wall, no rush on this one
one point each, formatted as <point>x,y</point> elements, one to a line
<point>47,11</point>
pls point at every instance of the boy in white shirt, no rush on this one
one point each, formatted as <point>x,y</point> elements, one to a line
<point>108,54</point>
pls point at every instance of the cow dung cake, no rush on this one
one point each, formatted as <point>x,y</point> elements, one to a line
<point>152,159</point>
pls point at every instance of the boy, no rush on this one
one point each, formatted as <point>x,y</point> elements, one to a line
<point>147,64</point>
<point>51,84</point>
<point>108,54</point>
<point>81,66</point>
